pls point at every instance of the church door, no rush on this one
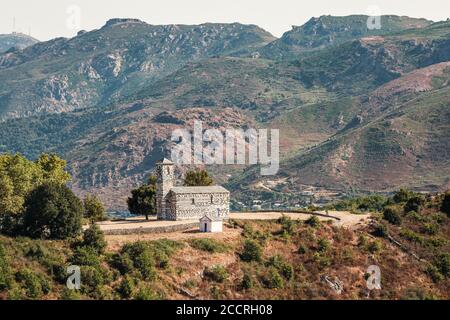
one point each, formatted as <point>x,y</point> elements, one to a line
<point>206,227</point>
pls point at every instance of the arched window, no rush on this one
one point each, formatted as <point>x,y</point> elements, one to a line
<point>212,198</point>
<point>193,200</point>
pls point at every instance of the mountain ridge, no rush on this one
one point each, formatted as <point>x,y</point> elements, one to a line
<point>353,98</point>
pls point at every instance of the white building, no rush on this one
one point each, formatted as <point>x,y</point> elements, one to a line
<point>211,224</point>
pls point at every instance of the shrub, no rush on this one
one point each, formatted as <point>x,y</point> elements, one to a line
<point>283,267</point>
<point>217,273</point>
<point>445,207</point>
<point>247,282</point>
<point>272,279</point>
<point>144,262</point>
<point>126,287</point>
<point>374,246</point>
<point>412,236</point>
<point>392,215</point>
<point>302,250</point>
<point>36,285</point>
<point>430,228</point>
<point>85,256</point>
<point>373,202</point>
<point>434,273</point>
<point>144,257</point>
<point>5,270</point>
<point>68,294</point>
<point>416,216</point>
<point>381,231</point>
<point>94,238</point>
<point>208,245</point>
<point>53,212</point>
<point>37,251</point>
<point>92,278</point>
<point>443,264</point>
<point>362,241</point>
<point>147,294</point>
<point>322,260</point>
<point>417,294</point>
<point>402,196</point>
<point>313,221</point>
<point>93,209</point>
<point>252,251</point>
<point>122,262</point>
<point>323,245</point>
<point>288,225</point>
<point>439,217</point>
<point>414,204</point>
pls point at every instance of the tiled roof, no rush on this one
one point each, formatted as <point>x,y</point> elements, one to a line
<point>215,218</point>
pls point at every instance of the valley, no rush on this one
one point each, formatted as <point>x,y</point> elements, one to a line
<point>365,113</point>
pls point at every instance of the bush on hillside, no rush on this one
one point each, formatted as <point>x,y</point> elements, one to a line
<point>414,204</point>
<point>217,273</point>
<point>94,238</point>
<point>252,251</point>
<point>445,207</point>
<point>392,215</point>
<point>208,245</point>
<point>52,212</point>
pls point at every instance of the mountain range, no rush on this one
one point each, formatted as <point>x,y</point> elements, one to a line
<point>357,109</point>
<point>15,41</point>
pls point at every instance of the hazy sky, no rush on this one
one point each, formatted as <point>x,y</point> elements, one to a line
<point>53,18</point>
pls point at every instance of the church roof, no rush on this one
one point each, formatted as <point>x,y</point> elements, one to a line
<point>165,161</point>
<point>194,190</point>
<point>213,218</point>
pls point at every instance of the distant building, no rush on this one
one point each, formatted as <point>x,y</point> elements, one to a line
<point>211,224</point>
<point>188,203</point>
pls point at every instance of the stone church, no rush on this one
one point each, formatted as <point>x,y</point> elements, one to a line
<point>188,203</point>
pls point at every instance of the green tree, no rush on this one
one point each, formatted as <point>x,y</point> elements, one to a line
<point>445,207</point>
<point>197,178</point>
<point>392,214</point>
<point>18,176</point>
<point>52,212</point>
<point>93,237</point>
<point>414,204</point>
<point>252,251</point>
<point>53,168</point>
<point>93,209</point>
<point>402,195</point>
<point>143,199</point>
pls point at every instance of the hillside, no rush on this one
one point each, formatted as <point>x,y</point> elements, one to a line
<point>369,114</point>
<point>282,259</point>
<point>98,67</point>
<point>326,31</point>
<point>15,40</point>
<point>398,138</point>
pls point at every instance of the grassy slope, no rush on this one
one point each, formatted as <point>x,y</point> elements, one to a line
<point>295,256</point>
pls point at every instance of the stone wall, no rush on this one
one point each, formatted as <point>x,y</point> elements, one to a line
<point>195,206</point>
<point>160,229</point>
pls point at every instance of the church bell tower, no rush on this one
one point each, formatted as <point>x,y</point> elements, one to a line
<point>165,182</point>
